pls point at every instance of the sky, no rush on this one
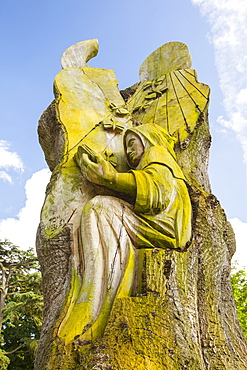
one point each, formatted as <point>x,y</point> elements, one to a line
<point>34,34</point>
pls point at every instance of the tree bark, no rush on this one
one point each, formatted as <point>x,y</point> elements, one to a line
<point>5,277</point>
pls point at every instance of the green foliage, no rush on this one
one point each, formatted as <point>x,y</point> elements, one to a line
<point>4,361</point>
<point>239,286</point>
<point>21,305</point>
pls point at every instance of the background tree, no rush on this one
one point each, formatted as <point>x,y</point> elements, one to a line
<point>239,286</point>
<point>20,305</point>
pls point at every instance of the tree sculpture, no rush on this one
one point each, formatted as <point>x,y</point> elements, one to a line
<point>135,250</point>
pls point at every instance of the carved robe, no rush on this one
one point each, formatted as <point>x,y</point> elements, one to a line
<point>162,201</point>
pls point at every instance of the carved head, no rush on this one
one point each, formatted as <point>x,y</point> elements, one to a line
<point>134,148</point>
<point>139,139</point>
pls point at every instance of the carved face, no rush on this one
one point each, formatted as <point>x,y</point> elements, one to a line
<point>134,149</point>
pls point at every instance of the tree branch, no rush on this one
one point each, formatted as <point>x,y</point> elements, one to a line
<point>14,350</point>
<point>18,281</point>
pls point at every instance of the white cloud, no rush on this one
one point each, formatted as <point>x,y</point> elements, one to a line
<point>240,230</point>
<point>228,20</point>
<point>21,231</point>
<point>242,96</point>
<point>8,160</point>
<point>4,176</point>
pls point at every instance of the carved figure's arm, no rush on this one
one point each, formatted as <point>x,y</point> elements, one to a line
<point>155,188</point>
<point>99,171</point>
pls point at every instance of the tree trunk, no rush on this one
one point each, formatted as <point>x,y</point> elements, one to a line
<point>3,290</point>
<point>183,316</point>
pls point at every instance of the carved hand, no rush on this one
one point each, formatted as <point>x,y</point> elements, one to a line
<point>99,171</point>
<point>94,167</point>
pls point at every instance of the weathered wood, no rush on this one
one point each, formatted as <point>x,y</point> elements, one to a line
<point>182,315</point>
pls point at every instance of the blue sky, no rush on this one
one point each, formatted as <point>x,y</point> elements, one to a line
<point>34,34</point>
